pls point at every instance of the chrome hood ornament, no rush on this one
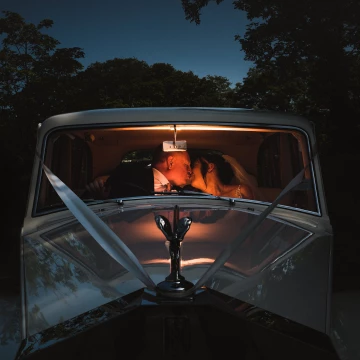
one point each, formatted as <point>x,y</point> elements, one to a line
<point>174,284</point>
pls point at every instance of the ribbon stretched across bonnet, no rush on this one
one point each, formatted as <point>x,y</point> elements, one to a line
<point>103,235</point>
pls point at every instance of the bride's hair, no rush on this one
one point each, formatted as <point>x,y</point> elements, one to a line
<point>224,169</point>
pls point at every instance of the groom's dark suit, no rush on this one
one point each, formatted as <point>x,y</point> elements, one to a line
<point>131,179</point>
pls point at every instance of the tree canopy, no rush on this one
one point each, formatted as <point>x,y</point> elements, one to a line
<point>306,55</point>
<point>134,83</point>
<point>34,80</point>
<point>29,57</point>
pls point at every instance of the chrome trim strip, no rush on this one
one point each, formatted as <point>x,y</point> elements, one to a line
<point>329,291</point>
<point>24,319</point>
<point>288,251</point>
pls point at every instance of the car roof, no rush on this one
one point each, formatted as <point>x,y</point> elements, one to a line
<point>177,115</point>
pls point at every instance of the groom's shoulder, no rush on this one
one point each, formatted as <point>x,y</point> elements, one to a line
<point>131,170</point>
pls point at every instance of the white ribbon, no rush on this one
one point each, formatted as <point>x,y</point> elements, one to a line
<point>228,251</point>
<point>103,235</point>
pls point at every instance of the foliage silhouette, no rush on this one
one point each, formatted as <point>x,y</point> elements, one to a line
<point>306,55</point>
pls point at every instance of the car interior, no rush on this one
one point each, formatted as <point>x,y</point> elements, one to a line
<point>271,156</point>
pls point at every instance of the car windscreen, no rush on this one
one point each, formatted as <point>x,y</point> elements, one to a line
<point>261,159</point>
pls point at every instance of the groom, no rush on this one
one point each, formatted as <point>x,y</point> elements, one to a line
<point>167,169</point>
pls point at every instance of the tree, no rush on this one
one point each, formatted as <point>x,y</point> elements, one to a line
<point>218,92</point>
<point>113,83</point>
<point>310,41</point>
<point>35,79</point>
<point>192,8</point>
<point>270,87</point>
<point>28,56</point>
<point>133,83</point>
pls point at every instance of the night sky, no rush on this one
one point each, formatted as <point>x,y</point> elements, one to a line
<point>152,31</point>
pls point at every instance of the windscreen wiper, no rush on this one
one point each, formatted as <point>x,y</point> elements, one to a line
<point>102,201</point>
<point>177,192</point>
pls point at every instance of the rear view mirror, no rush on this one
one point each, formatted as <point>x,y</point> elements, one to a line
<point>175,145</point>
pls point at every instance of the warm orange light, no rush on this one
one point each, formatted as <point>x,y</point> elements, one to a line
<point>192,262</point>
<point>195,127</point>
<point>203,261</point>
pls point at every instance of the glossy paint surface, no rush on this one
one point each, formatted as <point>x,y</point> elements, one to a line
<point>67,272</point>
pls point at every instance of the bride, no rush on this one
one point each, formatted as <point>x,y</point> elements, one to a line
<point>213,174</point>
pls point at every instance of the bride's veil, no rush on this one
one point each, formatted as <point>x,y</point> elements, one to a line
<point>242,177</point>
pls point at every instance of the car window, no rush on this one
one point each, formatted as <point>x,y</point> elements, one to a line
<point>269,157</point>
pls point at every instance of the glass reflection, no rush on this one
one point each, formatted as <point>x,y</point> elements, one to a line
<point>10,325</point>
<point>295,286</point>
<point>59,287</point>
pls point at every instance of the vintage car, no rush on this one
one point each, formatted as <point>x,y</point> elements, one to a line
<point>183,272</point>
